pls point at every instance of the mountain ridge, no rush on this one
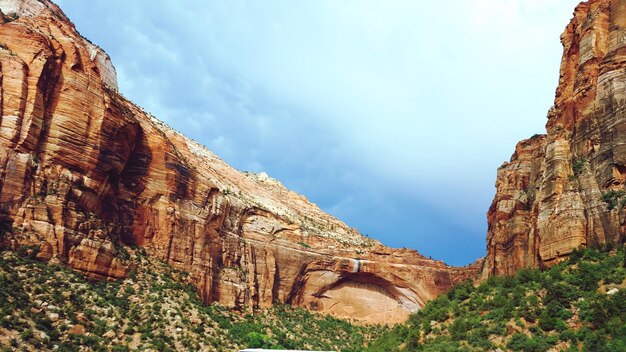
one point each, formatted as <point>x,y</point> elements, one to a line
<point>86,173</point>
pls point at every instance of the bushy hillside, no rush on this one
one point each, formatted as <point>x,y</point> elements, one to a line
<point>578,305</point>
<point>48,307</point>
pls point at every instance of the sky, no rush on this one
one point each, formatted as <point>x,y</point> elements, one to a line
<point>392,115</point>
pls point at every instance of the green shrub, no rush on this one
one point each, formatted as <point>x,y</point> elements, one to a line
<point>578,166</point>
<point>258,340</point>
<point>27,334</point>
<point>461,291</point>
<point>612,198</point>
<point>546,300</point>
<point>304,245</point>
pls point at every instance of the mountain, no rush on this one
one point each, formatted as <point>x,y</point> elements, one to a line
<point>565,189</point>
<point>85,175</point>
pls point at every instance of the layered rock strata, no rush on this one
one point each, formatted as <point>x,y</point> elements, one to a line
<point>85,173</point>
<point>565,189</point>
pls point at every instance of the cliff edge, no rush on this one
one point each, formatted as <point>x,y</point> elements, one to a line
<point>565,189</point>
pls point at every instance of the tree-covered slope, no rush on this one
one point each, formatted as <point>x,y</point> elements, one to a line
<point>578,305</point>
<point>46,307</point>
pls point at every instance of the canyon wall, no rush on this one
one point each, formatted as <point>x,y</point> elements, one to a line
<point>85,174</point>
<point>565,189</point>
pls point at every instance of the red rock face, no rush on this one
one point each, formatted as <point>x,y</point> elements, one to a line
<point>86,173</point>
<point>565,190</point>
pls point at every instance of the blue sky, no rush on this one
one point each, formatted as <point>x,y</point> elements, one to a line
<point>391,115</point>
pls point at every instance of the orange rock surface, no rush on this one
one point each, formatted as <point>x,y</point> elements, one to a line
<point>564,190</point>
<point>86,172</point>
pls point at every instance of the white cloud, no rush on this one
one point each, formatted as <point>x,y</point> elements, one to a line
<point>345,100</point>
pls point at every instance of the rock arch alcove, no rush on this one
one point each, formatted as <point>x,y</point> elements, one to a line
<point>356,292</point>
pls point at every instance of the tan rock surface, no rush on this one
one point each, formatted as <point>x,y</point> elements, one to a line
<point>85,172</point>
<point>77,330</point>
<point>549,198</point>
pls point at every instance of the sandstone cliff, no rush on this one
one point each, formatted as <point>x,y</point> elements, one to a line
<point>565,189</point>
<point>84,173</point>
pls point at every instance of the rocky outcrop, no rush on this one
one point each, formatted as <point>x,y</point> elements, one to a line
<point>85,173</point>
<point>565,190</point>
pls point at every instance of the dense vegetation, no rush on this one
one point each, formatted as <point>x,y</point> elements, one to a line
<point>578,305</point>
<point>48,307</point>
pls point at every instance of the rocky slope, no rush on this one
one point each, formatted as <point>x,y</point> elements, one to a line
<point>151,310</point>
<point>85,173</point>
<point>565,189</point>
<point>577,305</point>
